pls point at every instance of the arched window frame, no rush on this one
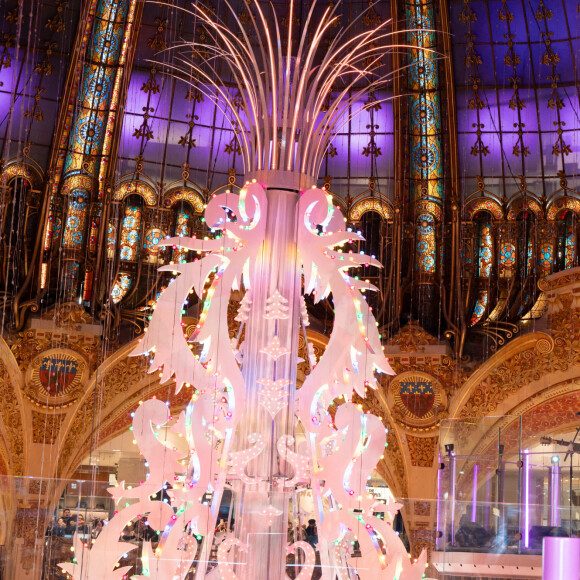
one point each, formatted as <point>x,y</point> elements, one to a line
<point>178,199</point>
<point>566,251</point>
<point>484,260</point>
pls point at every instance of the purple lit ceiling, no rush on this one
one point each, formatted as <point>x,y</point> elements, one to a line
<point>35,47</point>
<point>516,92</point>
<point>160,110</point>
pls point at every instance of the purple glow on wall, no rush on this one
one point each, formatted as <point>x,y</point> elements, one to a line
<point>560,558</point>
<point>474,494</point>
<point>487,498</point>
<point>526,498</point>
<point>452,461</point>
<point>555,494</point>
<point>438,516</point>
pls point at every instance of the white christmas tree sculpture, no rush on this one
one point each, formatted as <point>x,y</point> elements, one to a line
<point>250,431</point>
<point>228,436</point>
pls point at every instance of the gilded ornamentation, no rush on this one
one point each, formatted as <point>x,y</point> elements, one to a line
<point>422,508</point>
<point>140,188</point>
<point>550,412</point>
<point>412,338</point>
<point>56,377</point>
<point>395,458</point>
<point>26,528</point>
<point>450,374</point>
<point>37,486</point>
<point>483,204</point>
<point>31,343</point>
<point>522,204</point>
<point>46,427</point>
<point>119,379</point>
<point>380,206</point>
<point>28,346</point>
<point>185,194</point>
<point>529,365</point>
<point>559,280</point>
<point>545,345</point>
<point>69,315</point>
<point>125,377</point>
<point>422,539</point>
<point>12,170</point>
<point>561,205</point>
<point>10,412</point>
<point>422,450</point>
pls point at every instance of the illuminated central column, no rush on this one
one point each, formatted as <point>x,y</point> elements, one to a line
<point>270,352</point>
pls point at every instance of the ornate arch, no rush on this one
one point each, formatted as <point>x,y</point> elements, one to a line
<point>20,169</point>
<point>562,203</point>
<point>188,194</point>
<point>79,424</point>
<point>134,187</point>
<point>429,207</point>
<point>549,413</point>
<point>522,203</point>
<point>377,204</point>
<point>12,424</point>
<point>526,360</point>
<point>483,204</point>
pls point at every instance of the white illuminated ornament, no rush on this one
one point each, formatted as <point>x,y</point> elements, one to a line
<point>274,350</point>
<point>304,312</point>
<point>341,454</point>
<point>241,386</point>
<point>244,309</point>
<point>274,398</point>
<point>276,307</point>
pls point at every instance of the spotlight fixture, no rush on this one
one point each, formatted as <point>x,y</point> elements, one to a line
<point>449,447</point>
<point>555,459</point>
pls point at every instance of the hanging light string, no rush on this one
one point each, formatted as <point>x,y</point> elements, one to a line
<point>276,100</point>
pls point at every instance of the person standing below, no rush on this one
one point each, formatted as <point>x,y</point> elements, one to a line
<point>97,528</point>
<point>312,533</point>
<point>60,528</point>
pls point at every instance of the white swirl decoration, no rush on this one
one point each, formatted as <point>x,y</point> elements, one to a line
<point>230,259</point>
<point>354,351</point>
<point>341,453</point>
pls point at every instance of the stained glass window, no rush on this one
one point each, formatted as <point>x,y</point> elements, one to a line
<point>485,247</point>
<point>480,307</point>
<point>566,242</point>
<point>426,243</point>
<point>111,241</point>
<point>182,229</point>
<point>507,256</point>
<point>525,258</point>
<point>152,238</point>
<point>571,241</point>
<point>546,258</point>
<point>130,233</point>
<point>75,225</point>
<point>121,287</point>
<point>53,230</point>
<point>94,234</point>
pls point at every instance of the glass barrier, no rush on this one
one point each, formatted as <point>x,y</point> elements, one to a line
<point>504,486</point>
<point>47,523</point>
<point>490,510</point>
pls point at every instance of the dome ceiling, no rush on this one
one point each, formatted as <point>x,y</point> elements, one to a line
<point>169,123</point>
<point>516,89</point>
